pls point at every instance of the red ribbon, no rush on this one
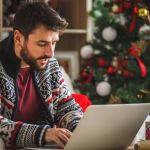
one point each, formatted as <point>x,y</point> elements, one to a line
<point>134,51</point>
<point>134,18</point>
<point>134,15</point>
<point>125,5</point>
<point>142,66</point>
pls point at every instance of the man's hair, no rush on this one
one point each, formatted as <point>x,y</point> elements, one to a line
<point>33,14</point>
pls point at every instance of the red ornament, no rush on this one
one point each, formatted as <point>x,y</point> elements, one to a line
<point>125,63</point>
<point>84,73</point>
<point>102,62</point>
<point>127,74</point>
<point>87,76</point>
<point>127,5</point>
<point>124,5</point>
<point>111,70</point>
<point>89,63</point>
<point>135,51</point>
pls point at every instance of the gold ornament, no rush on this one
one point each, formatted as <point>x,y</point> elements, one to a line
<point>145,91</point>
<point>115,8</point>
<point>114,62</point>
<point>142,93</point>
<point>114,100</point>
<point>143,12</point>
<point>142,45</point>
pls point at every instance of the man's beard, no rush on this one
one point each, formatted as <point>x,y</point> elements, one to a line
<point>32,62</point>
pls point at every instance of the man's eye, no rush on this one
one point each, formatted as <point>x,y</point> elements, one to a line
<point>42,45</point>
<point>54,42</point>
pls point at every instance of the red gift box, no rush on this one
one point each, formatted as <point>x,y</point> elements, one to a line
<point>147,130</point>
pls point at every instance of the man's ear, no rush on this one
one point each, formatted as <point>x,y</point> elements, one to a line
<point>18,38</point>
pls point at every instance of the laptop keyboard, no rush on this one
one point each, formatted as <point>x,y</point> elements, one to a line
<point>47,146</point>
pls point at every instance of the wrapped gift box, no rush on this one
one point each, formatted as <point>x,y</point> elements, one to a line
<point>147,130</point>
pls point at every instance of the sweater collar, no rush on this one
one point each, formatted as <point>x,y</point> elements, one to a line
<point>10,61</point>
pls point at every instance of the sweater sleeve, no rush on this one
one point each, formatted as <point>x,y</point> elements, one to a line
<point>31,135</point>
<point>68,112</point>
<point>21,134</point>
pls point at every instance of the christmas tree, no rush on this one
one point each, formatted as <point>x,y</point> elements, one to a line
<point>115,66</point>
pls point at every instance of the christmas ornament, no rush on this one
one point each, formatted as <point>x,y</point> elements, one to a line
<point>125,62</point>
<point>87,75</point>
<point>135,51</point>
<point>97,52</point>
<point>125,5</point>
<point>115,8</point>
<point>105,76</point>
<point>114,100</point>
<point>144,28</point>
<point>114,62</point>
<point>121,19</point>
<point>142,45</point>
<point>111,70</point>
<point>144,32</point>
<point>103,88</point>
<point>97,14</point>
<point>109,34</point>
<point>108,47</point>
<point>84,73</point>
<point>119,72</point>
<point>86,51</point>
<point>140,94</point>
<point>127,73</point>
<point>143,12</point>
<point>102,62</point>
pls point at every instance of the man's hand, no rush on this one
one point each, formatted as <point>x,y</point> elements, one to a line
<point>59,136</point>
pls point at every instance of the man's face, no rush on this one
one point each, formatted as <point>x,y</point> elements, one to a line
<point>39,47</point>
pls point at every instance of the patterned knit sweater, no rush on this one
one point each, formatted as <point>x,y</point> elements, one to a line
<point>60,107</point>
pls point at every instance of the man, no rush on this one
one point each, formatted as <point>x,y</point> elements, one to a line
<point>35,104</point>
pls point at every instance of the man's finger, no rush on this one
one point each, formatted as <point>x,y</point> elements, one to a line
<point>63,137</point>
<point>59,142</point>
<point>67,132</point>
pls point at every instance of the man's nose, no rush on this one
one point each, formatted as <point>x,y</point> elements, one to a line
<point>49,51</point>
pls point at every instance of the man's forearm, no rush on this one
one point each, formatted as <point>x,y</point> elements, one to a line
<point>20,134</point>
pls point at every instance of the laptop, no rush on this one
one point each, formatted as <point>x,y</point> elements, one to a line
<point>108,127</point>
